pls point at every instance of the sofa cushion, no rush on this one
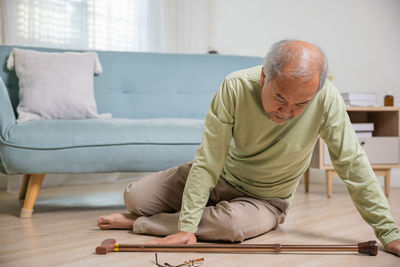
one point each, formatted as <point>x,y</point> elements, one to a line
<point>56,134</point>
<point>150,85</point>
<point>55,85</point>
<point>113,158</point>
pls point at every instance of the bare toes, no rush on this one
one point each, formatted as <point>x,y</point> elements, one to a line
<point>104,219</point>
<point>104,226</point>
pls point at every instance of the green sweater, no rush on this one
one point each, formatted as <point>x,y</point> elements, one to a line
<point>266,160</point>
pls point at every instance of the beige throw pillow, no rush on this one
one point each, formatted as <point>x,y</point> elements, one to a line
<point>55,85</point>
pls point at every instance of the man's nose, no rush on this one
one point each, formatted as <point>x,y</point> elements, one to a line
<point>286,110</point>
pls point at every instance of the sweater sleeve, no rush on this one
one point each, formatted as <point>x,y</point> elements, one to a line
<point>209,159</point>
<point>352,165</point>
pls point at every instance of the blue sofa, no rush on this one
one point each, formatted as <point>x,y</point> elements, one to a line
<point>158,103</point>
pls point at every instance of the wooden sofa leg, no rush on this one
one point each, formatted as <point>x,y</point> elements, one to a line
<point>307,180</point>
<point>24,186</point>
<point>35,181</point>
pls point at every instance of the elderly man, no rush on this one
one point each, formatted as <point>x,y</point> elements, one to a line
<point>257,142</point>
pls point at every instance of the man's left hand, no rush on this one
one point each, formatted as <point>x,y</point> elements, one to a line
<point>393,247</point>
<point>178,238</point>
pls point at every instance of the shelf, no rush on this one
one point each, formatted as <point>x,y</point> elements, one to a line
<point>386,124</point>
<point>380,108</point>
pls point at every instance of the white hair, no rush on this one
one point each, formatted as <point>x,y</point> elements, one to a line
<point>280,55</point>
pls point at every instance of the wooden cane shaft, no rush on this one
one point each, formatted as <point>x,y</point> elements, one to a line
<point>228,246</point>
<point>369,247</point>
<point>319,248</point>
<point>255,249</point>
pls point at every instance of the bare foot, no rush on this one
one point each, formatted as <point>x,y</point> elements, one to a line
<point>116,221</point>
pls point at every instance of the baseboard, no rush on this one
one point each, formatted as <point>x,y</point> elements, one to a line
<point>316,176</point>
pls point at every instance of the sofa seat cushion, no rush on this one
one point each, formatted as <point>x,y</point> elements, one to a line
<point>57,134</point>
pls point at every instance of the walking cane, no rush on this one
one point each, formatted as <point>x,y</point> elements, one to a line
<point>110,245</point>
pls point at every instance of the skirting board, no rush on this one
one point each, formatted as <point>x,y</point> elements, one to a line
<point>12,183</point>
<point>316,176</point>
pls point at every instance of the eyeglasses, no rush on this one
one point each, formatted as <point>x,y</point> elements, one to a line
<point>194,262</point>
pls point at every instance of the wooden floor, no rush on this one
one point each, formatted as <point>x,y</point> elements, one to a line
<point>63,231</point>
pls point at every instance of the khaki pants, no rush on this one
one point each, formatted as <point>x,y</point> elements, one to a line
<point>230,215</point>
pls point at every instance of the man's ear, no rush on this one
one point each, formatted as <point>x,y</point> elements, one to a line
<point>262,78</point>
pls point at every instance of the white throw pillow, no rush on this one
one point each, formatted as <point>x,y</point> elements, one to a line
<point>55,85</point>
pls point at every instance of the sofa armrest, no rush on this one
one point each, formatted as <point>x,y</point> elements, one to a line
<point>7,117</point>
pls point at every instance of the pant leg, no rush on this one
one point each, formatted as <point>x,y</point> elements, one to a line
<point>237,218</point>
<point>165,222</point>
<point>158,192</point>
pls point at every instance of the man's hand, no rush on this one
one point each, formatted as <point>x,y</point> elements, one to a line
<point>178,238</point>
<point>393,247</point>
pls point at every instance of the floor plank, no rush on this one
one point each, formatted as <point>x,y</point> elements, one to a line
<point>63,231</point>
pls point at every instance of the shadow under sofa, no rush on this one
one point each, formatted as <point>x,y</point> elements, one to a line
<point>158,102</point>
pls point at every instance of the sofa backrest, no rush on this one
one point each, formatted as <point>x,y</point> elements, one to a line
<point>150,85</point>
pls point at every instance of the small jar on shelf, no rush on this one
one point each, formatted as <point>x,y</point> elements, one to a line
<point>389,99</point>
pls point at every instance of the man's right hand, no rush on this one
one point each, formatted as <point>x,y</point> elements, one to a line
<point>178,238</point>
<point>394,247</point>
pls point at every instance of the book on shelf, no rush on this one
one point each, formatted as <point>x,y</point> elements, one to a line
<point>360,103</point>
<point>360,99</point>
<point>359,96</point>
<point>363,127</point>
<point>364,134</point>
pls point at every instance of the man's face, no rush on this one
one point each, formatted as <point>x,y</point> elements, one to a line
<point>284,98</point>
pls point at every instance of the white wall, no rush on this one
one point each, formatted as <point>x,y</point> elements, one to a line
<point>361,38</point>
<point>2,31</point>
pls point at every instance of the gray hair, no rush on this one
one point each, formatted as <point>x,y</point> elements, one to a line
<point>280,55</point>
